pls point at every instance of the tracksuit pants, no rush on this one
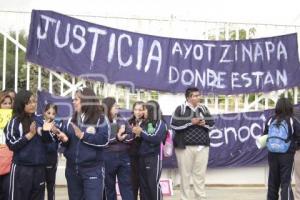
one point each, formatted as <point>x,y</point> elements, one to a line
<point>4,186</point>
<point>85,183</point>
<point>280,174</point>
<point>135,180</point>
<point>117,165</point>
<point>150,171</point>
<point>27,182</point>
<point>50,176</point>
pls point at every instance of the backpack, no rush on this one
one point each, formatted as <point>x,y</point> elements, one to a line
<point>168,145</point>
<point>279,139</point>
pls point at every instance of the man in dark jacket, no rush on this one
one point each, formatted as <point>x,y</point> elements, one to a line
<point>191,123</point>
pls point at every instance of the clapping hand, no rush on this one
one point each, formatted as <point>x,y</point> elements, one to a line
<point>62,136</point>
<point>47,126</point>
<point>198,121</point>
<point>137,130</point>
<point>55,130</point>
<point>195,121</point>
<point>201,122</point>
<point>32,131</point>
<point>121,136</point>
<point>77,131</point>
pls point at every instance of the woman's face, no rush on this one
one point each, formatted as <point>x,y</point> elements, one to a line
<point>138,111</point>
<point>50,114</point>
<point>6,104</point>
<point>145,113</point>
<point>114,110</point>
<point>30,107</point>
<point>77,103</point>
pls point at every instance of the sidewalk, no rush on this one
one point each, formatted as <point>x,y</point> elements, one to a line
<point>213,193</point>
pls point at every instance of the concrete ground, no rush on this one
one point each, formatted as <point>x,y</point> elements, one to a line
<point>213,193</point>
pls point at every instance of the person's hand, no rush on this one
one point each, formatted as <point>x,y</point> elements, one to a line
<point>55,130</point>
<point>120,135</point>
<point>77,131</point>
<point>47,126</point>
<point>32,131</point>
<point>202,122</point>
<point>195,121</point>
<point>122,129</point>
<point>137,131</point>
<point>62,136</point>
<point>32,128</point>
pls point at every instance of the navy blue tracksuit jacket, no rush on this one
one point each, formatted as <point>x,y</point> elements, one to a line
<point>84,170</point>
<point>117,162</point>
<point>150,161</point>
<point>29,159</point>
<point>51,156</point>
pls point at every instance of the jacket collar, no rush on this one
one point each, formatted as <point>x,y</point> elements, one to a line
<point>187,104</point>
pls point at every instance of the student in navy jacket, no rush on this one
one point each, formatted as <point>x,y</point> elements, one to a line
<point>44,121</point>
<point>281,164</point>
<point>87,133</point>
<point>27,180</point>
<point>135,120</point>
<point>152,133</point>
<point>117,160</point>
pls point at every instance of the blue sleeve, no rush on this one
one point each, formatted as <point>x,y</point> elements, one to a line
<point>159,134</point>
<point>63,127</point>
<point>15,139</point>
<point>128,130</point>
<point>46,136</point>
<point>101,136</point>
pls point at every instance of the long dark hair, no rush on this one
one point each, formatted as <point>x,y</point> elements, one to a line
<point>132,119</point>
<point>50,105</point>
<point>90,107</point>
<point>154,112</point>
<point>107,104</point>
<point>284,109</point>
<point>22,98</point>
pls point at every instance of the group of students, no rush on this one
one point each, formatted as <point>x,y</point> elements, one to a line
<point>99,146</point>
